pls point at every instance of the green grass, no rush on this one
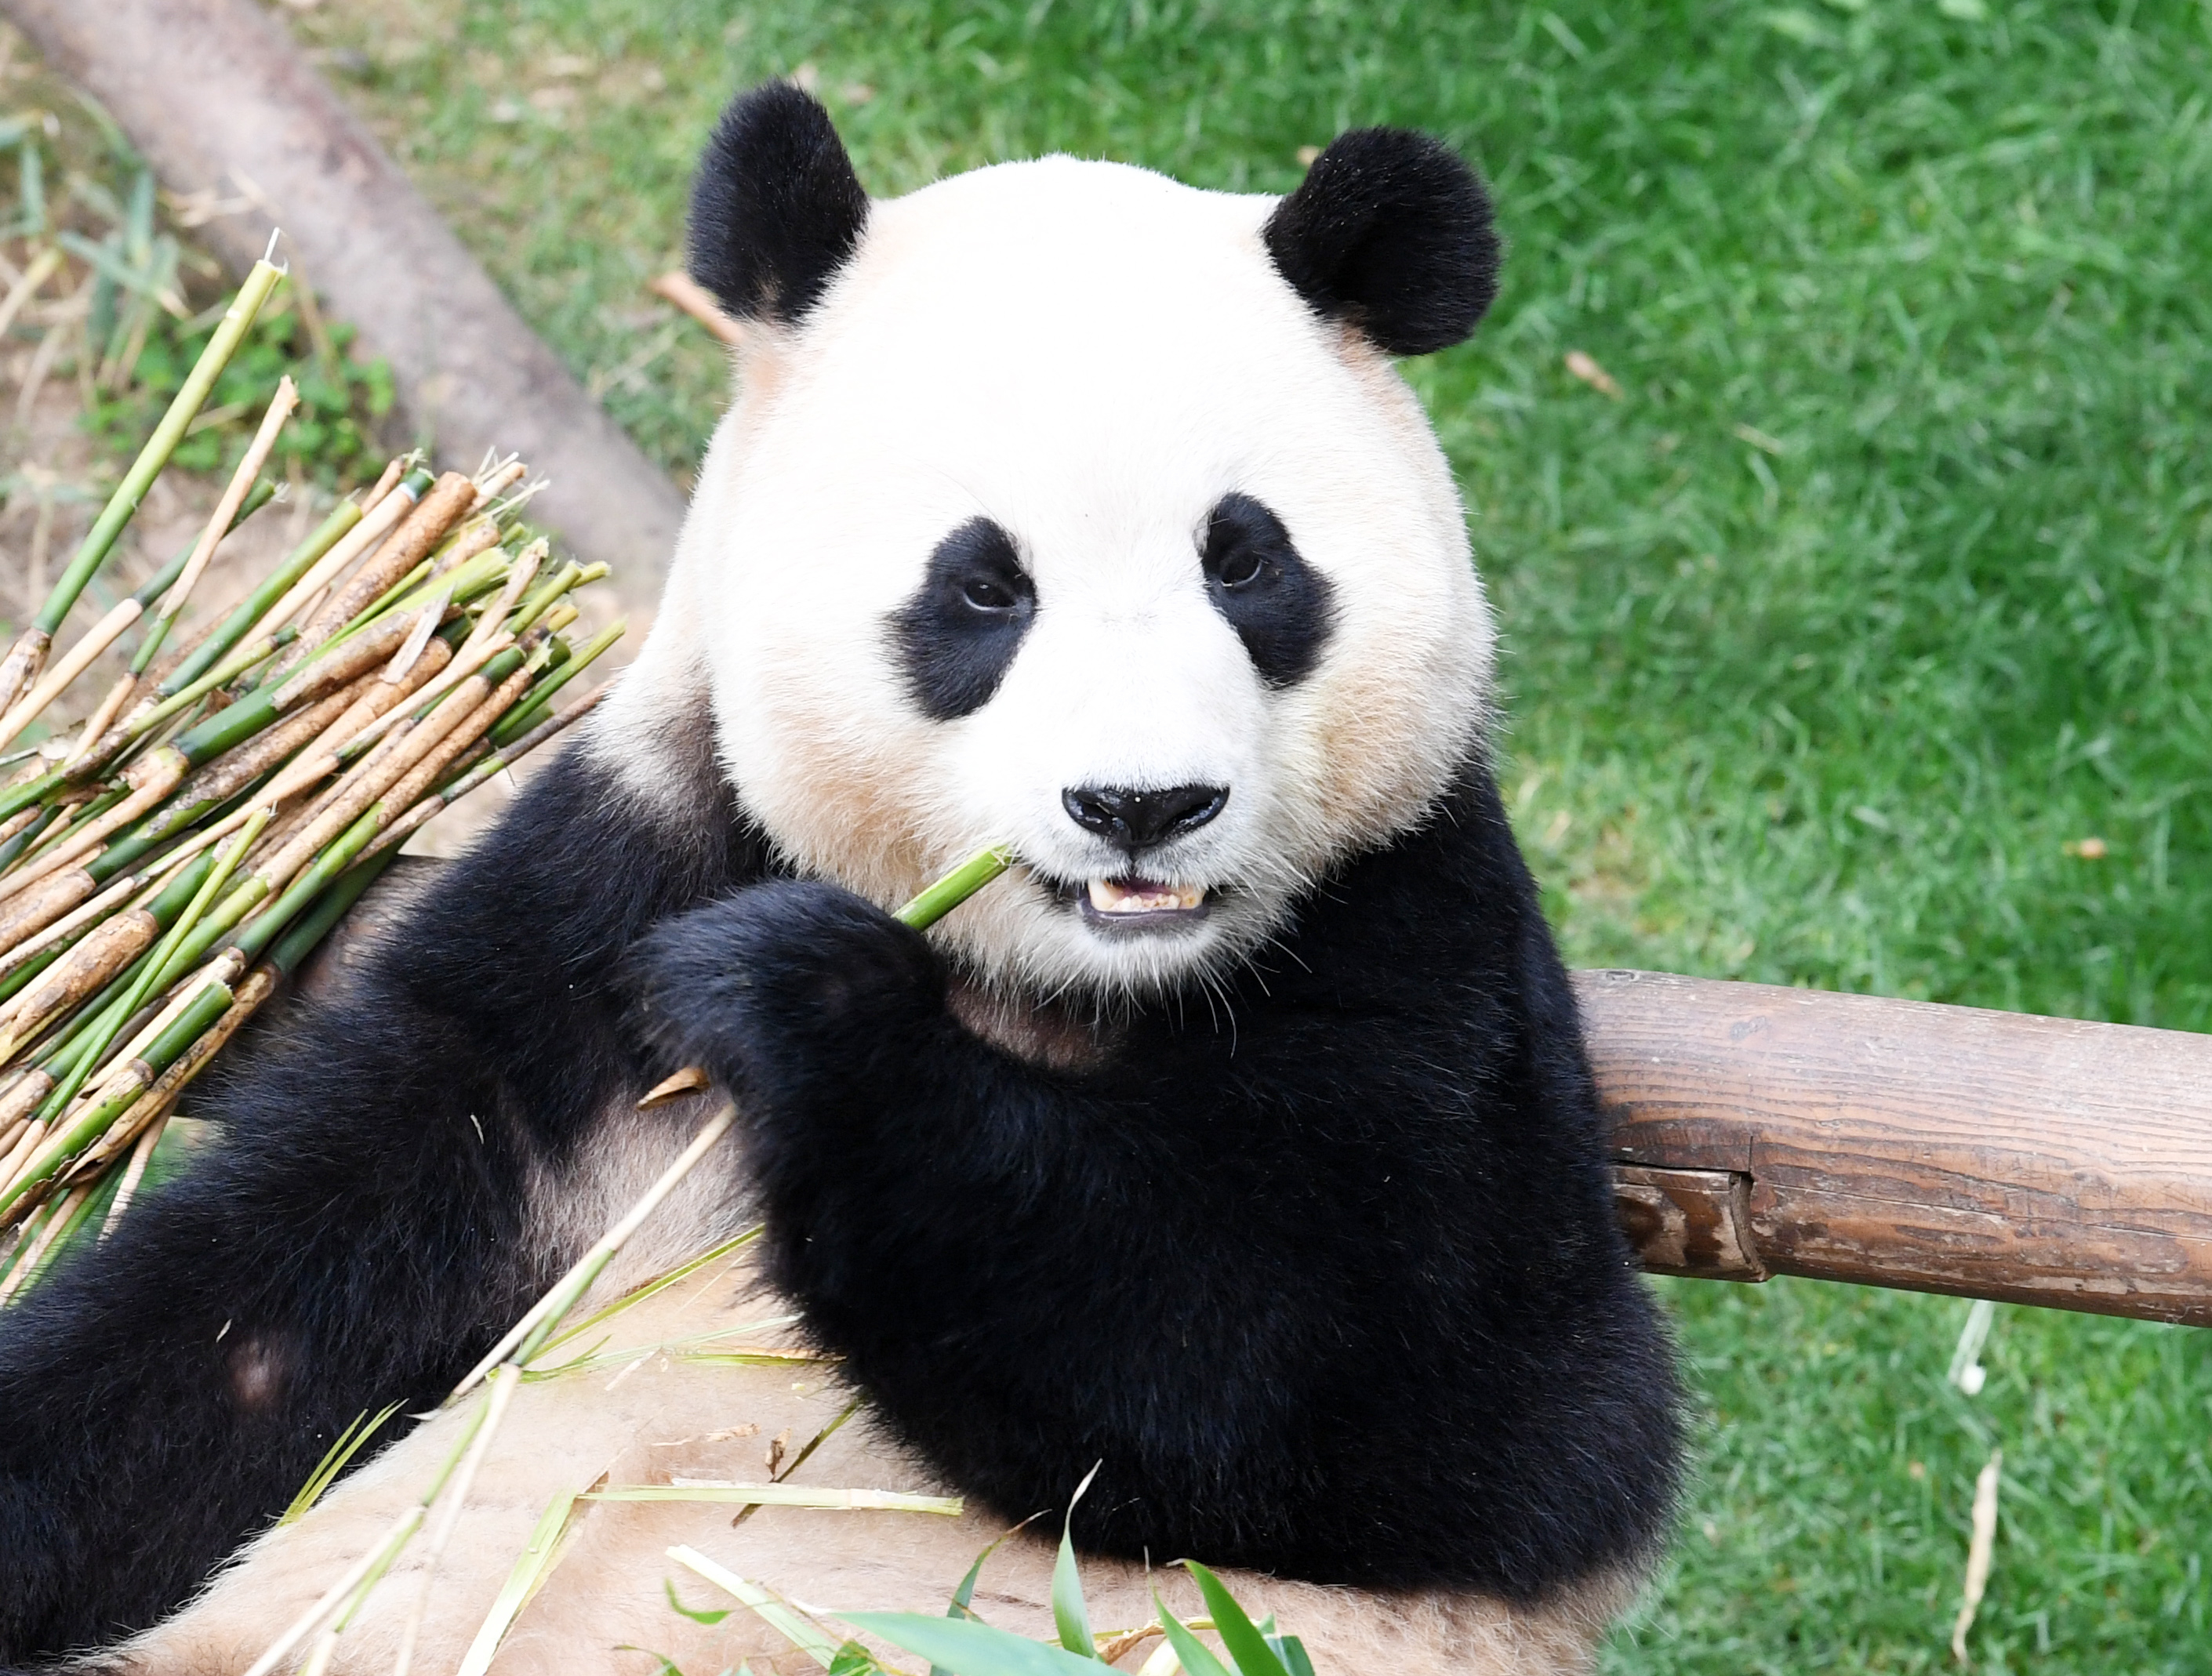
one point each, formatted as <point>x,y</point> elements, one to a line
<point>1889,580</point>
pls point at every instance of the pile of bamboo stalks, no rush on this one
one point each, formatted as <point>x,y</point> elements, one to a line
<point>165,865</point>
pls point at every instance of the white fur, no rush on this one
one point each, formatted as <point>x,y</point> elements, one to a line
<point>1091,356</point>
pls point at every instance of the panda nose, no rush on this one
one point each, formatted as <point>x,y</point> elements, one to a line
<point>1136,819</point>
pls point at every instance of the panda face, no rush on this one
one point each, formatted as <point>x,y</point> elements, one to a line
<point>1062,521</point>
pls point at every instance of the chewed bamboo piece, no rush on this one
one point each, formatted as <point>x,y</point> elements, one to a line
<point>166,864</point>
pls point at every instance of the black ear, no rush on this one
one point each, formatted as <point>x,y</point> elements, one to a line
<point>1392,231</point>
<point>775,208</point>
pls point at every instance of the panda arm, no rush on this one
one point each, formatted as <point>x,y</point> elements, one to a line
<point>1333,1290</point>
<point>358,1235</point>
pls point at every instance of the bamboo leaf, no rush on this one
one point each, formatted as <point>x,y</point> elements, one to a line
<point>1069,1613</point>
<point>334,1460</point>
<point>709,1617</point>
<point>970,1647</point>
<point>1197,1658</point>
<point>1245,1644</point>
<point>793,1625</point>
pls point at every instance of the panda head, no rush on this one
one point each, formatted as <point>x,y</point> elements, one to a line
<point>1066,507</point>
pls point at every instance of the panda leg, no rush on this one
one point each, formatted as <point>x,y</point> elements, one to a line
<point>166,1392</point>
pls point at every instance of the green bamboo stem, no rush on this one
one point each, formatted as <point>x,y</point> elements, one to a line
<point>72,1137</point>
<point>157,972</point>
<point>17,798</point>
<point>302,940</point>
<point>232,628</point>
<point>466,582</point>
<point>163,580</point>
<point>539,599</point>
<point>100,540</point>
<point>73,1219</point>
<point>254,652</point>
<point>18,979</point>
<point>956,887</point>
<point>158,827</point>
<point>104,1016</point>
<point>380,517</point>
<point>14,848</point>
<point>263,929</point>
<point>166,901</point>
<point>532,710</point>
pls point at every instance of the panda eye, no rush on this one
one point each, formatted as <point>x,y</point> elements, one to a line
<point>1279,605</point>
<point>1240,568</point>
<point>988,593</point>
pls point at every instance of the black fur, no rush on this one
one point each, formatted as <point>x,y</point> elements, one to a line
<point>955,637</point>
<point>1280,607</point>
<point>354,1238</point>
<point>775,207</point>
<point>1326,1273</point>
<point>1392,231</point>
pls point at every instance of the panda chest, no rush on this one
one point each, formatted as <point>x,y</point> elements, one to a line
<point>1049,1034</point>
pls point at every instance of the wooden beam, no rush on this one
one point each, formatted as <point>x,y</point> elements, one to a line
<point>1766,1131</point>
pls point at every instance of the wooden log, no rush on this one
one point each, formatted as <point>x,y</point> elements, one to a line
<point>1767,1131</point>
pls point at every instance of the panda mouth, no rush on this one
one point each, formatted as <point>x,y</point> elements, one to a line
<point>1141,904</point>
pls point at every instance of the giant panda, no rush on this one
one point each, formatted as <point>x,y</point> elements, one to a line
<point>1238,1143</point>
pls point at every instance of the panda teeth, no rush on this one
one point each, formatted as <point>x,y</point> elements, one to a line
<point>1144,896</point>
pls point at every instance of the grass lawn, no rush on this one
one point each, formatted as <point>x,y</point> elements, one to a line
<point>1860,641</point>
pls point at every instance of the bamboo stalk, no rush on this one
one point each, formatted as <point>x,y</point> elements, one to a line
<point>37,908</point>
<point>101,955</point>
<point>423,813</point>
<point>463,667</point>
<point>370,700</point>
<point>110,1099</point>
<point>529,714</point>
<point>162,1095</point>
<point>451,499</point>
<point>151,779</point>
<point>504,1383</point>
<point>435,763</point>
<point>280,408</point>
<point>101,635</point>
<point>63,1217</point>
<point>375,524</point>
<point>105,1092</point>
<point>27,656</point>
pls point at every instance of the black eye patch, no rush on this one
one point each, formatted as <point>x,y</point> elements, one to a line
<point>1280,607</point>
<point>955,637</point>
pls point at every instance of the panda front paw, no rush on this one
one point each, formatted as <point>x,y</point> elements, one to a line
<point>788,983</point>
